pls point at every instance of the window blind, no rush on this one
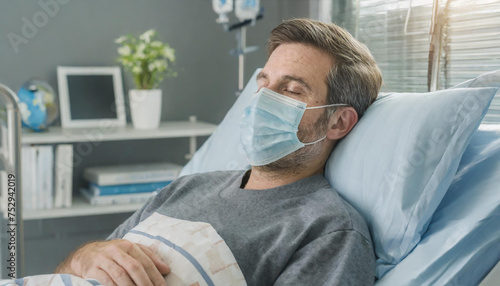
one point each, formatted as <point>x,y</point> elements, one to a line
<point>471,45</point>
<point>400,47</point>
<point>397,34</point>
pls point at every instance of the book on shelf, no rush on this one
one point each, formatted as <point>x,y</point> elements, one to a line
<point>4,192</point>
<point>26,164</point>
<point>116,199</point>
<point>97,190</point>
<point>29,177</point>
<point>63,176</point>
<point>132,174</point>
<point>46,176</point>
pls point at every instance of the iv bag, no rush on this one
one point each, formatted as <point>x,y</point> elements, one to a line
<point>222,7</point>
<point>247,9</point>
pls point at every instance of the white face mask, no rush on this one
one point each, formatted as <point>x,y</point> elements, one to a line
<point>269,127</point>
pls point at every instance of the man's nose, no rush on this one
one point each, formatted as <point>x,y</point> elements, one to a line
<point>272,86</point>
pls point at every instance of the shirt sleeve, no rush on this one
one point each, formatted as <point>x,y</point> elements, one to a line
<point>338,258</point>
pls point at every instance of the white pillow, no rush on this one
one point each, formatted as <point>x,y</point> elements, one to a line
<point>491,79</point>
<point>462,242</point>
<point>398,162</point>
<point>223,150</point>
<point>394,167</point>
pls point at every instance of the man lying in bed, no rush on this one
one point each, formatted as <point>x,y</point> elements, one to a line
<point>279,223</point>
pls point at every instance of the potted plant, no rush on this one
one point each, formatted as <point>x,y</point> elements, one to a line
<point>149,61</point>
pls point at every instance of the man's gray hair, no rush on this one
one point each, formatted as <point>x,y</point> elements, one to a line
<point>354,79</point>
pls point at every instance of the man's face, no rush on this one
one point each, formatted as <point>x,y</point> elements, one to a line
<point>300,72</point>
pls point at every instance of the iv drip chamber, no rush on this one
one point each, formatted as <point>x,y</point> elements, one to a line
<point>247,9</point>
<point>222,7</point>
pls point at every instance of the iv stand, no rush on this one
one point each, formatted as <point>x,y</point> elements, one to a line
<point>241,48</point>
<point>241,38</point>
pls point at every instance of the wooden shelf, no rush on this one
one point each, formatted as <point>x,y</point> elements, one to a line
<point>80,207</point>
<point>171,129</point>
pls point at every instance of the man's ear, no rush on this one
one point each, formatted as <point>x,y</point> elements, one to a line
<point>341,123</point>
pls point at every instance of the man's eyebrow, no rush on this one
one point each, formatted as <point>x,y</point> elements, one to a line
<point>297,79</point>
<point>262,75</point>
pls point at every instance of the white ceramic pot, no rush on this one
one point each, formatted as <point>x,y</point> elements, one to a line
<point>145,108</point>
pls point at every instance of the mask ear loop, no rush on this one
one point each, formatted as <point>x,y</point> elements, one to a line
<point>314,142</point>
<point>328,105</point>
<point>323,106</point>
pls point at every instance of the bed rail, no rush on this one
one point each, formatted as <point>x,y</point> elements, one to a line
<point>13,255</point>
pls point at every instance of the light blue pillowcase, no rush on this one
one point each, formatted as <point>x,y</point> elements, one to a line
<point>394,167</point>
<point>462,242</point>
<point>491,79</point>
<point>223,150</point>
<point>397,163</point>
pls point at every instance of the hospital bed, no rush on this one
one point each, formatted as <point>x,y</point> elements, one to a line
<point>432,203</point>
<point>423,172</point>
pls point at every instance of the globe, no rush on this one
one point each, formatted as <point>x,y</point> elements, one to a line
<point>38,105</point>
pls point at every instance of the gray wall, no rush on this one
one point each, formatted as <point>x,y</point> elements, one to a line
<point>82,33</point>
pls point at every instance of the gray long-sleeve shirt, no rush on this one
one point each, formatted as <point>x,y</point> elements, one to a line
<point>302,233</point>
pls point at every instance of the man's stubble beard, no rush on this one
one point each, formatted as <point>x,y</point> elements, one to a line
<point>296,162</point>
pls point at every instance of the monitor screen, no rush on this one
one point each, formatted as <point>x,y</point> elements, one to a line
<point>91,97</point>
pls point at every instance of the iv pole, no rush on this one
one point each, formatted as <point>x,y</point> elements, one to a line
<point>241,48</point>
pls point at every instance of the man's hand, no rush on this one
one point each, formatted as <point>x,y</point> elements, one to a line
<point>116,262</point>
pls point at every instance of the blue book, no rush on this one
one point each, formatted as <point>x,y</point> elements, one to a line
<point>97,190</point>
<point>137,198</point>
